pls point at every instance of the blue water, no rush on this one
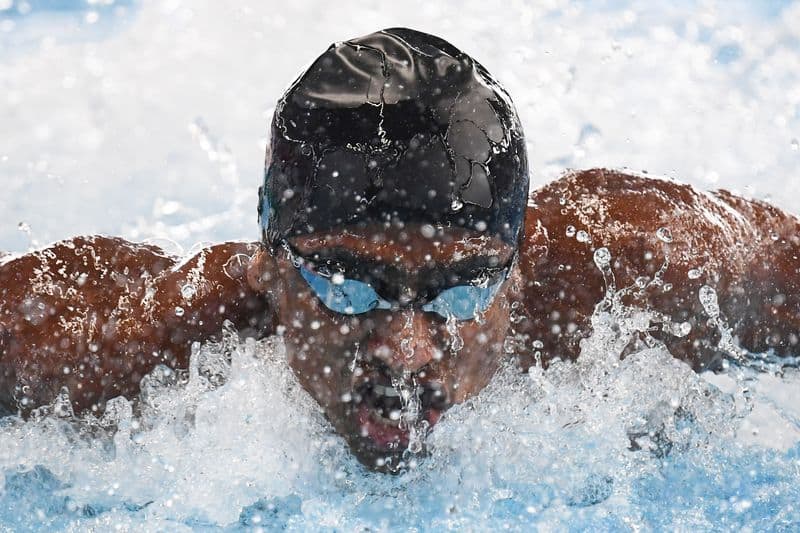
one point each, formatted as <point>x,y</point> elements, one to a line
<point>579,446</point>
<point>147,120</point>
<point>27,23</point>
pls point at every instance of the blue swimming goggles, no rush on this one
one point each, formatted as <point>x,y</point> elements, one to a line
<point>353,297</point>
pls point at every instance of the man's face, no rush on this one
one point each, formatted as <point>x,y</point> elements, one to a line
<point>383,371</point>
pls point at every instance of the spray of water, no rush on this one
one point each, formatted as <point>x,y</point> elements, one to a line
<point>235,441</point>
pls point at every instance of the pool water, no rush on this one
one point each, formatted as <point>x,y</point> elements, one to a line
<point>147,120</point>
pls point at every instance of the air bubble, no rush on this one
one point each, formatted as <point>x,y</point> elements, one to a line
<point>456,205</point>
<point>664,234</point>
<point>583,236</point>
<point>570,231</point>
<point>179,311</point>
<point>695,273</point>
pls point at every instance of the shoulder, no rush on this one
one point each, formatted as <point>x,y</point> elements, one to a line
<point>93,253</point>
<point>75,274</point>
<point>609,204</point>
<point>603,188</point>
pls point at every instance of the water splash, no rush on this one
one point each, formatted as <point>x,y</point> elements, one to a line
<point>710,303</point>
<point>456,340</point>
<point>411,410</point>
<point>234,440</point>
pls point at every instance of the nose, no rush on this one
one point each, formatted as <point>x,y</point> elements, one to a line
<point>406,342</point>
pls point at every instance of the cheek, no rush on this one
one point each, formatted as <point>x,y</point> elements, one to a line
<point>484,339</point>
<point>312,332</point>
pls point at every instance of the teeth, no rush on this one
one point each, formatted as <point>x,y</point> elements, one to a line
<point>385,391</point>
<point>391,421</point>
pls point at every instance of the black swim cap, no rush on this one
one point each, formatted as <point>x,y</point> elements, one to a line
<point>395,127</point>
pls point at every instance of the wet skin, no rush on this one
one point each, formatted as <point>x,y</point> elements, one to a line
<point>339,356</point>
<point>96,314</point>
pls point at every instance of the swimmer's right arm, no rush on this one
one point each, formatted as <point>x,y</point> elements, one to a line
<point>95,314</point>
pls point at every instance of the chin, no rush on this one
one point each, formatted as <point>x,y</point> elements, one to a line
<point>374,430</point>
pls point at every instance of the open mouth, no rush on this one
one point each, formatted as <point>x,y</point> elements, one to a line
<point>388,412</point>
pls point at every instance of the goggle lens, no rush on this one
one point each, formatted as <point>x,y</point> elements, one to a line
<point>353,297</point>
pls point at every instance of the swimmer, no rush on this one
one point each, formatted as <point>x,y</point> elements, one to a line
<point>403,260</point>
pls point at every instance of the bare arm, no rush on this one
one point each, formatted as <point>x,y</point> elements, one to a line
<point>673,239</point>
<point>95,314</point>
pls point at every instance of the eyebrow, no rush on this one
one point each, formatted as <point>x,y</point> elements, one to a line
<point>474,264</point>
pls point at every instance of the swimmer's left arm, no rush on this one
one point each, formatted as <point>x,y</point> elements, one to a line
<point>677,241</point>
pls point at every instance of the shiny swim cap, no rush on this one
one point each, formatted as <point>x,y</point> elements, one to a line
<point>393,128</point>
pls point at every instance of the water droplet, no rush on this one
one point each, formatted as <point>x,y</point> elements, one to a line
<point>664,234</point>
<point>582,236</point>
<point>428,231</point>
<point>570,231</point>
<point>456,342</point>
<point>315,324</point>
<point>179,311</point>
<point>407,348</point>
<point>415,446</point>
<point>509,345</point>
<point>774,236</point>
<point>695,273</point>
<point>188,291</point>
<point>602,257</point>
<point>708,297</point>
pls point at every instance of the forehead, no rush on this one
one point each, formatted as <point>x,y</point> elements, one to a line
<point>409,247</point>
